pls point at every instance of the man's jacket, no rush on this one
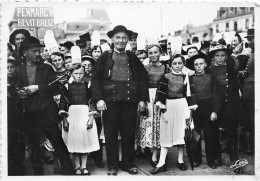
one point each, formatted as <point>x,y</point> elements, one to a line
<point>103,88</point>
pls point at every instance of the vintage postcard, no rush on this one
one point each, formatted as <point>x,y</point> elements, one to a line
<point>131,89</point>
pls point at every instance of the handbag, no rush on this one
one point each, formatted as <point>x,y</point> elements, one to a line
<point>190,133</point>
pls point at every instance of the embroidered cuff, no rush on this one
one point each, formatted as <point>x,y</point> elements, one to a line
<point>193,107</point>
<point>161,105</point>
<point>92,113</point>
<point>62,111</point>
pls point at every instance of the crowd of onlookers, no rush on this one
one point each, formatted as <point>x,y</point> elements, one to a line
<point>136,101</point>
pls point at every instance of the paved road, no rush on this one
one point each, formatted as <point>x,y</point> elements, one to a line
<point>144,166</point>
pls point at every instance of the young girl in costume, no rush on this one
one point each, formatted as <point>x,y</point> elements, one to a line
<point>149,129</point>
<point>173,91</point>
<point>79,121</point>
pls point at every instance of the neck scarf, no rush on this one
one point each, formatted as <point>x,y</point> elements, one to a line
<point>186,80</point>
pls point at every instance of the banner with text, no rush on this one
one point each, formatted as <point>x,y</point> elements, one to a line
<point>32,17</point>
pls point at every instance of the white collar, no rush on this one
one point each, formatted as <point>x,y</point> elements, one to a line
<point>219,65</point>
<point>176,73</point>
<point>119,51</point>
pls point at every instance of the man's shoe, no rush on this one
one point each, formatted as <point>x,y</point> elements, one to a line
<point>238,171</point>
<point>196,164</point>
<point>212,165</point>
<point>181,166</point>
<point>159,169</point>
<point>130,170</point>
<point>218,162</point>
<point>113,171</point>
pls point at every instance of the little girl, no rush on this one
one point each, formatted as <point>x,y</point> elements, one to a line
<point>172,93</point>
<point>79,122</point>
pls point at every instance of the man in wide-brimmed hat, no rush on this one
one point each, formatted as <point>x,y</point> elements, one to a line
<point>41,112</point>
<point>81,43</point>
<point>65,47</point>
<point>86,37</point>
<point>120,87</point>
<point>133,41</point>
<point>16,37</point>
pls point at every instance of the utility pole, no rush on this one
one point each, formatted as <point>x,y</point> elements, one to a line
<point>161,21</point>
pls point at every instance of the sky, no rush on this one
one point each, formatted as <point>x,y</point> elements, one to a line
<point>150,19</point>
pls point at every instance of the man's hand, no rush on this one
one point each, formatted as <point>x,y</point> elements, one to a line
<point>213,116</point>
<point>22,93</point>
<point>31,89</point>
<point>101,105</point>
<point>141,106</point>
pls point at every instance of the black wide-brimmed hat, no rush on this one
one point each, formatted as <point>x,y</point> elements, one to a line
<point>134,35</point>
<point>250,33</point>
<point>204,44</point>
<point>119,28</point>
<point>67,44</point>
<point>89,58</point>
<point>25,32</point>
<point>31,41</point>
<point>81,43</point>
<point>85,36</point>
<point>190,61</point>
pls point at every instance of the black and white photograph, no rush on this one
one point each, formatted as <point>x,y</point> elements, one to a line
<point>132,88</point>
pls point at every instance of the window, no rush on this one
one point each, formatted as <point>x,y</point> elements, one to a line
<point>247,23</point>
<point>235,26</point>
<point>227,26</point>
<point>217,28</point>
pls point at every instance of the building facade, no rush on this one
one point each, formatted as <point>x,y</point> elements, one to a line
<point>202,32</point>
<point>238,19</point>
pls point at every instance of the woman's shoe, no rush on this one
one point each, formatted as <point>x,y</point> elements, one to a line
<point>78,171</point>
<point>158,169</point>
<point>181,166</point>
<point>85,171</point>
<point>154,163</point>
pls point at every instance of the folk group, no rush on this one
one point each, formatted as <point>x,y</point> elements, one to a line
<point>64,104</point>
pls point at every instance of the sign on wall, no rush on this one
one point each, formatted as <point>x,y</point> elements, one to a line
<point>32,17</point>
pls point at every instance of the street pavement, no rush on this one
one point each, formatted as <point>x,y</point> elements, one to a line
<point>144,165</point>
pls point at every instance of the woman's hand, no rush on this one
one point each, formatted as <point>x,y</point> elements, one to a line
<point>101,105</point>
<point>188,121</point>
<point>90,121</point>
<point>65,124</point>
